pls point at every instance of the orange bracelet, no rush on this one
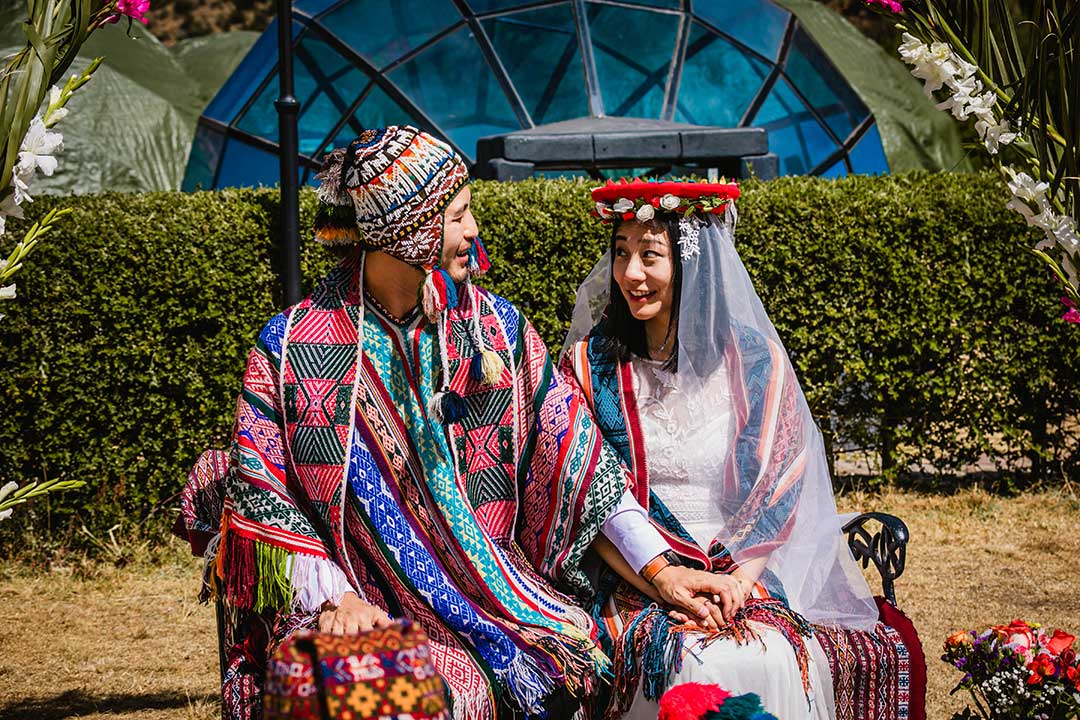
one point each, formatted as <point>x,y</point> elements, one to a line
<point>653,567</point>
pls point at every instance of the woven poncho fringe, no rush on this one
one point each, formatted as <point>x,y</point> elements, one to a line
<point>650,650</point>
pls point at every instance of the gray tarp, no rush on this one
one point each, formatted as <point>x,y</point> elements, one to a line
<point>914,133</point>
<point>130,128</point>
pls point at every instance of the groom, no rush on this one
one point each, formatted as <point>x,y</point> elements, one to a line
<point>404,448</point>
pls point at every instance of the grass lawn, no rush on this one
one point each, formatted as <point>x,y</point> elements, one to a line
<point>93,641</point>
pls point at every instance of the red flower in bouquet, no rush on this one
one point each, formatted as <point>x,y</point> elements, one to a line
<point>1041,667</point>
<point>1072,674</point>
<point>1060,642</point>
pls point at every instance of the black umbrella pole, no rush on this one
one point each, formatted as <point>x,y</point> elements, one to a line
<point>288,109</point>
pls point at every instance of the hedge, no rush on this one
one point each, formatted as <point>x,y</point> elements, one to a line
<point>918,325</point>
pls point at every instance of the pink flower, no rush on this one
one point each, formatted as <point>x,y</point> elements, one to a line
<point>890,5</point>
<point>1072,314</point>
<point>135,9</point>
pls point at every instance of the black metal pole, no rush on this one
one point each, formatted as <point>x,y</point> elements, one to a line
<point>288,109</point>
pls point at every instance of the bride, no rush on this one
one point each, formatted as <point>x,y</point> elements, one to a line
<point>690,383</point>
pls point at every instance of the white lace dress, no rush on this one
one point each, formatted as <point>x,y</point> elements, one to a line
<point>685,435</point>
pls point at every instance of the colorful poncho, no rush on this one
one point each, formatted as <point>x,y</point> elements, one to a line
<point>466,529</point>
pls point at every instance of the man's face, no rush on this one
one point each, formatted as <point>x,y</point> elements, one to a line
<point>459,230</point>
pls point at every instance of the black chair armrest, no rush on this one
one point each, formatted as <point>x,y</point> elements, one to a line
<point>886,548</point>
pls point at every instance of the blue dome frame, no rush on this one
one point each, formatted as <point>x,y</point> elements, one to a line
<point>465,69</point>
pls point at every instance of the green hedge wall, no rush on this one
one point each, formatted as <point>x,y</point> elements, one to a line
<point>917,325</point>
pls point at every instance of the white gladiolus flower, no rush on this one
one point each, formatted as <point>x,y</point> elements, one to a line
<point>646,213</point>
<point>7,292</point>
<point>5,514</point>
<point>20,190</point>
<point>622,205</point>
<point>9,488</point>
<point>913,50</point>
<point>9,207</point>
<point>1023,186</point>
<point>669,202</point>
<point>995,134</point>
<point>38,148</point>
<point>58,113</point>
<point>936,67</point>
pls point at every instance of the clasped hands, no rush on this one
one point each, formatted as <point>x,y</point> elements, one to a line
<point>708,599</point>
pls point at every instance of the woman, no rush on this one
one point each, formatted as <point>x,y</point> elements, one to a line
<point>690,383</point>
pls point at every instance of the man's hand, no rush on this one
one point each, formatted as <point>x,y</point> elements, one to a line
<point>692,591</point>
<point>352,615</point>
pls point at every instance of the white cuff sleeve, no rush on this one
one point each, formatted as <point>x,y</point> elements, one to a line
<point>629,530</point>
<point>316,580</point>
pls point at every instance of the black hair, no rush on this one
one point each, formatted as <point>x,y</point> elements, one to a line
<point>624,335</point>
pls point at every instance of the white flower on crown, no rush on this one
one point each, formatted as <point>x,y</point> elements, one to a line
<point>646,212</point>
<point>603,210</point>
<point>623,205</point>
<point>669,202</point>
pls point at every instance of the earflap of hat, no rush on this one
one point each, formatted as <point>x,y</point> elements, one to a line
<point>335,220</point>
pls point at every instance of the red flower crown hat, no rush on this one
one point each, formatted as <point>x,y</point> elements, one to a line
<point>642,199</point>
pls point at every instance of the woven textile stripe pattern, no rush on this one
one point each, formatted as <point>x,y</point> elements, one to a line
<point>871,672</point>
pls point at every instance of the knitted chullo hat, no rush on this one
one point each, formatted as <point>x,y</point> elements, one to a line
<point>388,191</point>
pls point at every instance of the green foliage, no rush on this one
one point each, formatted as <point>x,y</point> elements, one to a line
<point>913,321</point>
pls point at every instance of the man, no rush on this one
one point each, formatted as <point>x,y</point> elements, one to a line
<point>396,458</point>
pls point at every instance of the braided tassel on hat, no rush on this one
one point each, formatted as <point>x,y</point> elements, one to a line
<point>446,406</point>
<point>478,258</point>
<point>485,366</point>
<point>335,220</point>
<point>438,294</point>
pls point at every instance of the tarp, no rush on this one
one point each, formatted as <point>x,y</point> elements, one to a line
<point>914,134</point>
<point>130,129</point>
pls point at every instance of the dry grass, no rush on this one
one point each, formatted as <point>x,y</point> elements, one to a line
<point>97,642</point>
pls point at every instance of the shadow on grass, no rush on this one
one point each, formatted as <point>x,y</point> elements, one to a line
<point>73,703</point>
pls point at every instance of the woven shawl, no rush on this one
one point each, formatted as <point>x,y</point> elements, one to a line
<point>645,643</point>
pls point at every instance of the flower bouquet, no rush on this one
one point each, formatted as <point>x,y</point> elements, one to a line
<point>1017,671</point>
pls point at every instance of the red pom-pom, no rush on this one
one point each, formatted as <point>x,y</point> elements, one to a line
<point>628,215</point>
<point>690,701</point>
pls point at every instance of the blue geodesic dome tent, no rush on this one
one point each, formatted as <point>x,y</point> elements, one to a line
<point>465,69</point>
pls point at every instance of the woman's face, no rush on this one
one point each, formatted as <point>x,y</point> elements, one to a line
<point>644,268</point>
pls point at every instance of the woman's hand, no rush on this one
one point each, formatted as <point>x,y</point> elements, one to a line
<point>352,615</point>
<point>709,599</point>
